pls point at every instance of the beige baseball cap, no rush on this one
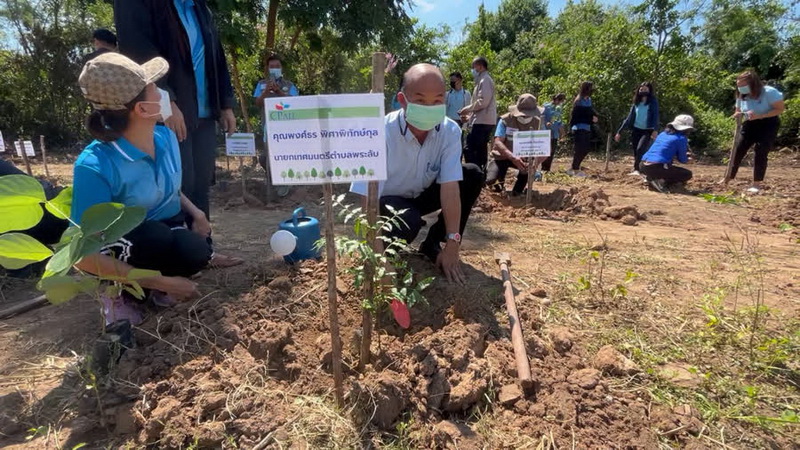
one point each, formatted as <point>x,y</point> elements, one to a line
<point>111,80</point>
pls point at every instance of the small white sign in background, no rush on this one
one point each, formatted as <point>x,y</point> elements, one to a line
<point>240,144</point>
<point>326,138</point>
<point>28,148</point>
<point>532,143</point>
<point>2,143</point>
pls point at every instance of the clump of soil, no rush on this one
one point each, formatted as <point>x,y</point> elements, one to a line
<point>591,201</point>
<point>248,368</point>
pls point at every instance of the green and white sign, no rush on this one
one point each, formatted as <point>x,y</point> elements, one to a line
<point>326,139</point>
<point>240,144</point>
<point>532,143</point>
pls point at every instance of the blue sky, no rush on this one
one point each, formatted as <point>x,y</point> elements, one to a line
<point>456,12</point>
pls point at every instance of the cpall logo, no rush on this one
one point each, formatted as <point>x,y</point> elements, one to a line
<point>280,106</point>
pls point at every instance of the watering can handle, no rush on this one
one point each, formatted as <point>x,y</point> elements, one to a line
<point>297,214</point>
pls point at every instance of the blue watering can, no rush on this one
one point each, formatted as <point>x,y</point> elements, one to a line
<point>306,230</point>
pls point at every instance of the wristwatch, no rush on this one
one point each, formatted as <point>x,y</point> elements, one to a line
<point>454,237</point>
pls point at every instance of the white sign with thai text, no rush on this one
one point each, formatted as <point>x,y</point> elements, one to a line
<point>240,144</point>
<point>532,143</point>
<point>326,138</point>
<point>28,148</point>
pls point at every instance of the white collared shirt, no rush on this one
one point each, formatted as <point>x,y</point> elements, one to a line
<point>411,167</point>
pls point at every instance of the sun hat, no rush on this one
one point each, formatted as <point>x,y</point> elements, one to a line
<point>683,122</point>
<point>111,80</point>
<point>527,105</point>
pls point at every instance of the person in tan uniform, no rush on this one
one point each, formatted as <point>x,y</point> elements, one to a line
<point>481,114</point>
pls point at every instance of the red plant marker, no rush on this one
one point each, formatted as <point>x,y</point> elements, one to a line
<point>401,314</point>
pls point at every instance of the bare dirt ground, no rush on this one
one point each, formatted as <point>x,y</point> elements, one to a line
<point>651,321</point>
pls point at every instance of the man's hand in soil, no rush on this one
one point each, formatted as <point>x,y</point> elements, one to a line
<point>176,123</point>
<point>181,289</point>
<point>519,163</point>
<point>450,263</point>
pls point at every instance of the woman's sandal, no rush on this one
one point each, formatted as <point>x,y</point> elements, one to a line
<point>219,261</point>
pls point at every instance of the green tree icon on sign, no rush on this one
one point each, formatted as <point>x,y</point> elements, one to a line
<point>338,172</point>
<point>291,173</point>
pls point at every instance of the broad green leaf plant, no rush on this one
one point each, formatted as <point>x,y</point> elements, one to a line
<point>22,199</point>
<point>387,263</point>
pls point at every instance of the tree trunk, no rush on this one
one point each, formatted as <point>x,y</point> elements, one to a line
<point>295,37</point>
<point>237,85</point>
<point>272,19</point>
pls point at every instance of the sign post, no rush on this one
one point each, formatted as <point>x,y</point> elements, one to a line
<point>532,144</point>
<point>378,84</point>
<point>327,139</point>
<point>25,149</point>
<point>240,145</point>
<point>2,143</point>
<point>44,156</point>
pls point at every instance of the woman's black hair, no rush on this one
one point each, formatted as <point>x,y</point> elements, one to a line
<point>559,97</point>
<point>586,90</point>
<point>107,125</point>
<point>637,97</point>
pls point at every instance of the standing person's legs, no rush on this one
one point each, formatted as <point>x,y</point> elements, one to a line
<point>582,146</point>
<point>204,155</point>
<point>749,136</point>
<point>765,144</point>
<point>476,151</point>
<point>640,140</point>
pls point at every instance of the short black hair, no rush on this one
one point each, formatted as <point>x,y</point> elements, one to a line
<point>559,96</point>
<point>105,35</point>
<point>482,61</point>
<point>274,57</point>
<point>457,75</point>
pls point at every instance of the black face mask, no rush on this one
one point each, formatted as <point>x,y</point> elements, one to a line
<point>644,94</point>
<point>452,85</point>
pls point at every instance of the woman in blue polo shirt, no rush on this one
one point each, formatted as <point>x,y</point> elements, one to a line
<point>671,144</point>
<point>642,120</point>
<point>136,162</point>
<point>759,107</point>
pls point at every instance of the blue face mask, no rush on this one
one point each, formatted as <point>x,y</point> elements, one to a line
<point>276,73</point>
<point>474,73</point>
<point>424,117</point>
<point>744,90</point>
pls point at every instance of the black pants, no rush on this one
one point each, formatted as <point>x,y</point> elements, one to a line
<point>497,170</point>
<point>198,163</point>
<point>640,142</point>
<point>477,150</point>
<point>429,201</point>
<point>165,246</point>
<point>547,164</point>
<point>670,174</point>
<point>762,134</point>
<point>583,144</point>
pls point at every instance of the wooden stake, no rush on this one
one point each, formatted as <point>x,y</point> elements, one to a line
<point>517,341</point>
<point>378,84</point>
<point>608,152</point>
<point>44,156</point>
<point>333,312</point>
<point>25,157</point>
<point>736,134</point>
<point>531,174</point>
<point>23,307</point>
